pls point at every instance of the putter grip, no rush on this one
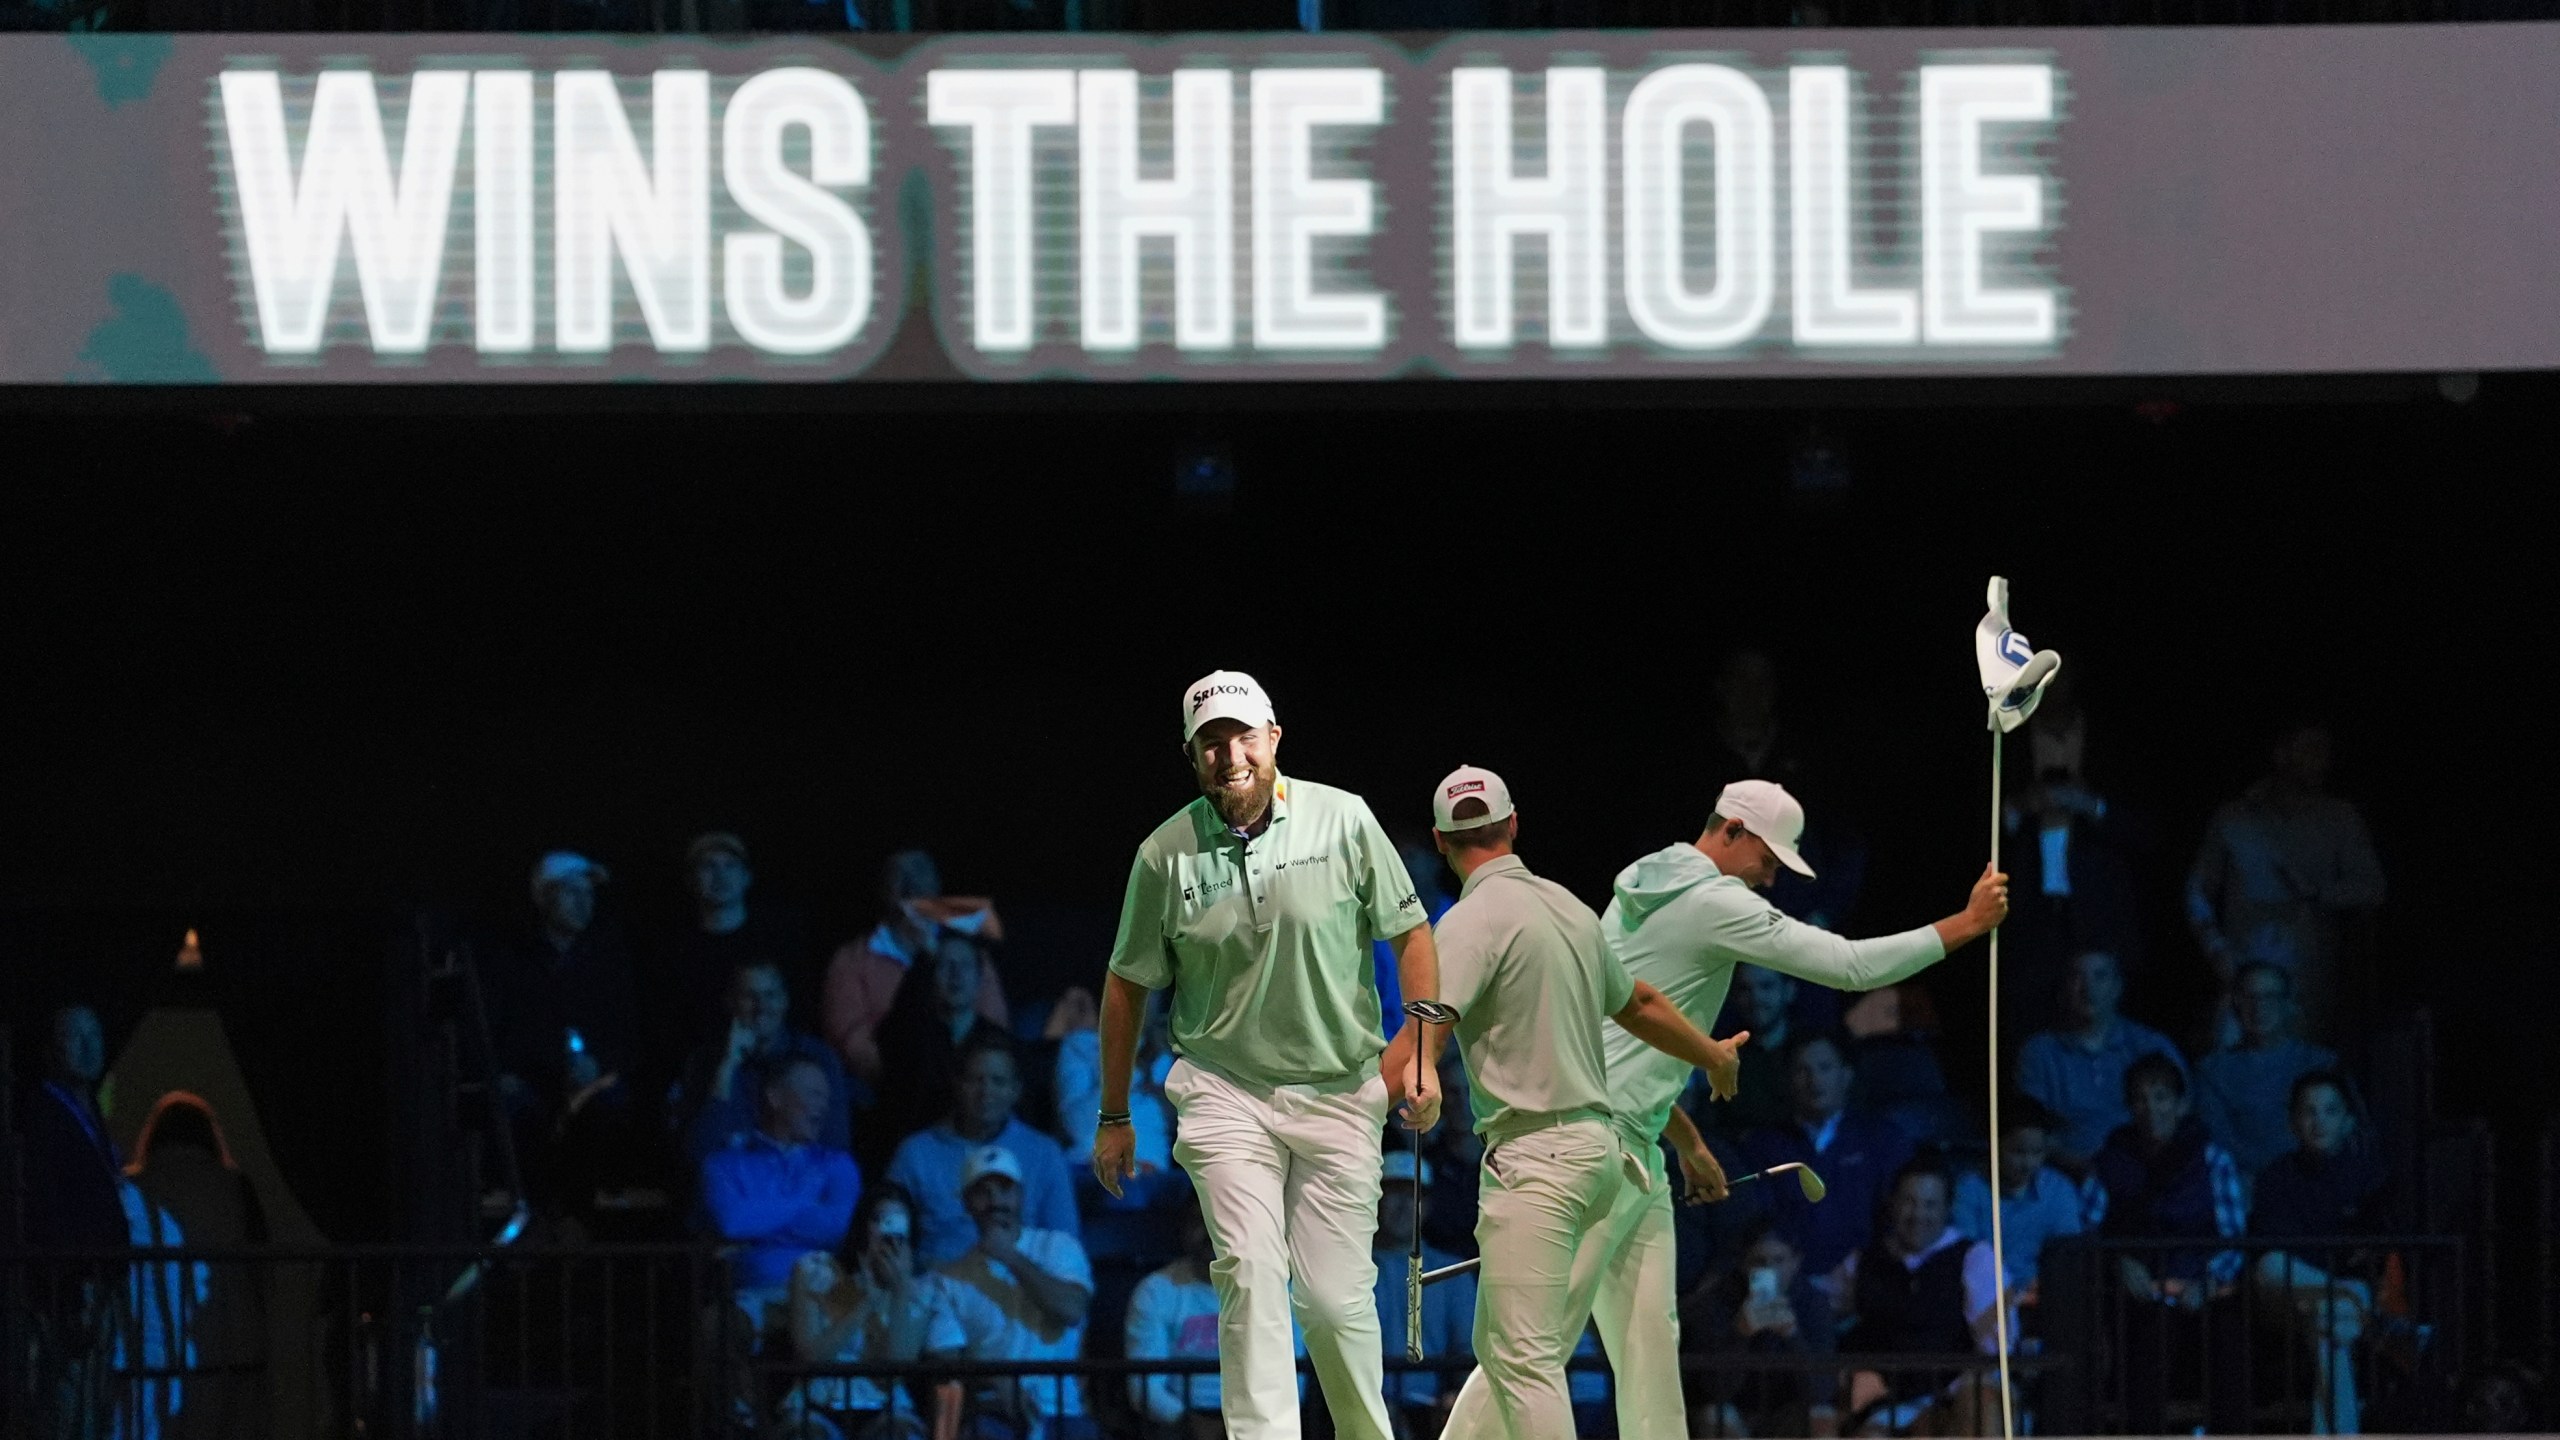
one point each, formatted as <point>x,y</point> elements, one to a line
<point>1413,1311</point>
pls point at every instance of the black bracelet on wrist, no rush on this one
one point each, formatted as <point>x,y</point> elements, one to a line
<point>1114,1117</point>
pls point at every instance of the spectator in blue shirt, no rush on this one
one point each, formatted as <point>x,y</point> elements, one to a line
<point>780,1191</point>
<point>1422,1398</point>
<point>2037,1202</point>
<point>929,1163</point>
<point>713,1106</point>
<point>2243,1094</point>
<point>2159,1178</point>
<point>2077,1072</point>
<point>1855,1153</point>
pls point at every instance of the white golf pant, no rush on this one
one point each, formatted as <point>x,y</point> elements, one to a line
<point>1629,1263</point>
<point>1541,1193</point>
<point>1288,1183</point>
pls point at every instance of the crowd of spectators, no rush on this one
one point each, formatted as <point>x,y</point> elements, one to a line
<point>902,1178</point>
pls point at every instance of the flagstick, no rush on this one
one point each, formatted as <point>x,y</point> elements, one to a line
<point>1999,1253</point>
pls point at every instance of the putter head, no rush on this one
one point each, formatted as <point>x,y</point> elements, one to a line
<point>1431,1012</point>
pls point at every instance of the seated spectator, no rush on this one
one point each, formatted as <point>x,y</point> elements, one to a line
<point>866,1305</point>
<point>1759,1002</point>
<point>1173,1315</point>
<point>1420,1398</point>
<point>1018,1292</point>
<point>1855,1153</point>
<point>2077,1072</point>
<point>2329,1188</point>
<point>2285,873</point>
<point>782,1191</point>
<point>932,1162</point>
<point>2244,1094</point>
<point>867,975</point>
<point>1138,1221</point>
<point>564,1017</point>
<point>2037,1202</point>
<point>1921,1288</point>
<point>1766,1307</point>
<point>712,1106</point>
<point>693,968</point>
<point>931,1022</point>
<point>2072,857</point>
<point>2158,1178</point>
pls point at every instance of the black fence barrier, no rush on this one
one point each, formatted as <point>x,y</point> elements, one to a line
<point>636,1342</point>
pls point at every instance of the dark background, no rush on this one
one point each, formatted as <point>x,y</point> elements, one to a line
<point>286,676</point>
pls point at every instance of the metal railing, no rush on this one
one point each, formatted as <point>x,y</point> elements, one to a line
<point>638,1342</point>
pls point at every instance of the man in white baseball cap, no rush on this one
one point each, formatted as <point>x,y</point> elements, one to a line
<point>1257,904</point>
<point>1524,965</point>
<point>1681,919</point>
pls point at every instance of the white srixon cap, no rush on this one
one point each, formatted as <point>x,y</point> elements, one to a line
<point>1464,783</point>
<point>1766,809</point>
<point>1224,695</point>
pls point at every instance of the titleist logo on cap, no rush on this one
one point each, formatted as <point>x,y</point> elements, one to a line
<point>1464,787</point>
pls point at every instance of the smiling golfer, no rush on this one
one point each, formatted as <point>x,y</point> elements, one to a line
<point>1257,904</point>
<point>1681,919</point>
<point>1523,964</point>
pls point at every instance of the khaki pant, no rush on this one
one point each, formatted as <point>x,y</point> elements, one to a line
<point>1631,1266</point>
<point>1541,1193</point>
<point>1288,1183</point>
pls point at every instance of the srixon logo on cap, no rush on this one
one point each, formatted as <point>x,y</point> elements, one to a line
<point>1465,787</point>
<point>1201,696</point>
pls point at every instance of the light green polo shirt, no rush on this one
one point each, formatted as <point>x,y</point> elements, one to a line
<point>1533,983</point>
<point>1680,925</point>
<point>1266,941</point>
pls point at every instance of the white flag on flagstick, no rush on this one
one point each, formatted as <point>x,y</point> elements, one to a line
<point>2014,673</point>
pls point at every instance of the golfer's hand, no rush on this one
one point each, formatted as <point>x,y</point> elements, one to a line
<point>1701,1174</point>
<point>1989,904</point>
<point>1416,1109</point>
<point>1724,1078</point>
<point>1115,1156</point>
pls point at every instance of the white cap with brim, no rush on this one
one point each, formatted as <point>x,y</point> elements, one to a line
<point>1469,782</point>
<point>1224,695</point>
<point>989,1160</point>
<point>1768,811</point>
<point>562,865</point>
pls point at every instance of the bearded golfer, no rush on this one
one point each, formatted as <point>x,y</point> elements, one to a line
<point>1524,965</point>
<point>1258,903</point>
<point>1680,920</point>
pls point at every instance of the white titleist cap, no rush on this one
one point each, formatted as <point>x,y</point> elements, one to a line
<point>1469,782</point>
<point>1224,695</point>
<point>1766,809</point>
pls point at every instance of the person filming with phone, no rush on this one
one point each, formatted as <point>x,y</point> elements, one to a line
<point>1766,1307</point>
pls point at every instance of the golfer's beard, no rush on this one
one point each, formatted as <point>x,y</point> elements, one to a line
<point>1240,808</point>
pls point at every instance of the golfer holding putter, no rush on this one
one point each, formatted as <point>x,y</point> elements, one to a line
<point>1523,964</point>
<point>1258,903</point>
<point>1681,919</point>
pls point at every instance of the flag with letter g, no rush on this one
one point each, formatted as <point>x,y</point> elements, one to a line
<point>2014,673</point>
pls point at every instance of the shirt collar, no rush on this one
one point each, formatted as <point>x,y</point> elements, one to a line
<point>1213,827</point>
<point>1823,1134</point>
<point>1498,865</point>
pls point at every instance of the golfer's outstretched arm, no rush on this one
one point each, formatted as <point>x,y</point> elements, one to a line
<point>1652,1018</point>
<point>1766,937</point>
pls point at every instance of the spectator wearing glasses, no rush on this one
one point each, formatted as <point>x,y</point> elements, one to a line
<point>2245,1094</point>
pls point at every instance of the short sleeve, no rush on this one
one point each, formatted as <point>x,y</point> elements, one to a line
<point>1059,1253</point>
<point>1387,897</point>
<point>1138,955</point>
<point>1467,956</point>
<point>1617,987</point>
<point>943,1332</point>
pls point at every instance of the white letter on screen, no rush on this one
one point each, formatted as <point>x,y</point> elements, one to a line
<point>1000,107</point>
<point>656,217</point>
<point>502,211</point>
<point>291,229</point>
<point>1291,208</point>
<point>805,211</point>
<point>1659,113</point>
<point>1195,208</point>
<point>1494,206</point>
<point>1829,310</point>
<point>1958,203</point>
